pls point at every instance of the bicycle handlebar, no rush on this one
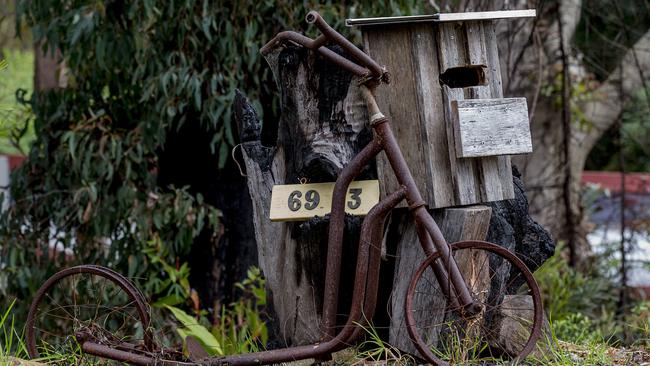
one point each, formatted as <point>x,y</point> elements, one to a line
<point>369,68</point>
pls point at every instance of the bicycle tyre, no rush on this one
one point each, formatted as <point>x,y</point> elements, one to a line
<point>449,336</point>
<point>43,309</point>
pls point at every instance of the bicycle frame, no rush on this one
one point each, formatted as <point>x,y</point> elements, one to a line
<point>369,251</point>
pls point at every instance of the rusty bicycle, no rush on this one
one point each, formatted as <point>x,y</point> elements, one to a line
<point>447,305</point>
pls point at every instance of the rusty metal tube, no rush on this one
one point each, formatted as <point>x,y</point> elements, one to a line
<point>417,204</point>
<point>115,354</point>
<point>366,270</point>
<point>335,239</point>
<point>316,45</point>
<point>398,163</point>
<point>314,18</point>
<point>373,228</point>
<point>438,269</point>
<point>374,113</point>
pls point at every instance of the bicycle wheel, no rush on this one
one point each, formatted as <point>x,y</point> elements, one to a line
<point>508,325</point>
<point>94,302</point>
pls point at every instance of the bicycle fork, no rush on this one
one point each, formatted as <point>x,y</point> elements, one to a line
<point>429,233</point>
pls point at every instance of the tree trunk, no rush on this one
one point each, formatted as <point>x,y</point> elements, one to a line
<point>46,69</point>
<point>322,127</point>
<point>217,261</point>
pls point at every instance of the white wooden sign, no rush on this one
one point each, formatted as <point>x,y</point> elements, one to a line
<point>491,127</point>
<point>293,202</point>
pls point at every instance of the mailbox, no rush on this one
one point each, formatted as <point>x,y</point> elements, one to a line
<point>446,104</point>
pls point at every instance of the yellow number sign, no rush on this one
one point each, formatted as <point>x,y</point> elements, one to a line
<point>292,202</point>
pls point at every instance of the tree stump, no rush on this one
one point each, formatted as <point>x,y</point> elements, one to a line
<point>322,127</point>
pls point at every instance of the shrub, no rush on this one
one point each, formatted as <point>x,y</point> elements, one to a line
<point>138,70</point>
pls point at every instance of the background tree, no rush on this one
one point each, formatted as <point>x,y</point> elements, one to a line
<point>130,167</point>
<point>579,64</point>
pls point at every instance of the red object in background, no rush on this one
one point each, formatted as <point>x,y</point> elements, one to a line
<point>15,161</point>
<point>640,293</point>
<point>634,182</point>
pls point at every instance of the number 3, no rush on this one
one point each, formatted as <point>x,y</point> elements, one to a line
<point>355,194</point>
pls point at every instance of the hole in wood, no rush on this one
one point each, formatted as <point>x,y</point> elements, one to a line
<point>464,76</point>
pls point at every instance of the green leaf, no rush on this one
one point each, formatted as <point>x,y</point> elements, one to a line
<point>169,300</point>
<point>191,327</point>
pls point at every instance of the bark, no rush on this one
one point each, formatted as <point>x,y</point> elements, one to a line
<point>323,125</point>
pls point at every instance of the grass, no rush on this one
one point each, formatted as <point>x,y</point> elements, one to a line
<point>575,339</point>
<point>377,350</point>
<point>12,344</point>
<point>554,352</point>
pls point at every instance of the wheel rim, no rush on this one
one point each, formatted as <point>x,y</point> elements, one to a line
<point>94,301</point>
<point>513,305</point>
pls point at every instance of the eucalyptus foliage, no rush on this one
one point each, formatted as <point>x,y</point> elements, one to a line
<point>88,192</point>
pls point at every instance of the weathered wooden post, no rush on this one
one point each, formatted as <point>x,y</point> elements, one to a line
<point>454,126</point>
<point>456,131</point>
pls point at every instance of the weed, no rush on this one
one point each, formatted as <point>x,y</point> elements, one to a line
<point>16,125</point>
<point>192,327</point>
<point>240,326</point>
<point>376,349</point>
<point>584,305</point>
<point>639,324</point>
<point>11,344</point>
<point>566,291</point>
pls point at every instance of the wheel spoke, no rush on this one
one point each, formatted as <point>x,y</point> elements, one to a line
<point>446,334</point>
<point>100,305</point>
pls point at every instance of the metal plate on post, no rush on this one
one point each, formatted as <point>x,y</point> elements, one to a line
<point>293,202</point>
<point>444,17</point>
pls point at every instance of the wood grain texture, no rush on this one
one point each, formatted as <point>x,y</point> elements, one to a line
<point>456,224</point>
<point>451,53</point>
<point>496,88</point>
<point>402,102</point>
<point>275,245</point>
<point>421,112</point>
<point>490,127</point>
<point>474,43</point>
<point>492,185</point>
<point>441,189</point>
